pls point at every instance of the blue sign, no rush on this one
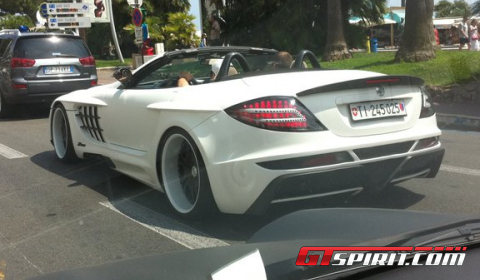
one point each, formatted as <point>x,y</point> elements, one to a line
<point>137,17</point>
<point>43,10</point>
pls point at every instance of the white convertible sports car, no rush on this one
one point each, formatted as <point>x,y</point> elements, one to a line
<point>254,134</point>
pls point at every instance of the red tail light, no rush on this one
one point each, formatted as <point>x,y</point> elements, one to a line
<point>383,81</point>
<point>275,113</point>
<point>90,60</point>
<point>19,86</point>
<point>93,83</point>
<point>21,62</point>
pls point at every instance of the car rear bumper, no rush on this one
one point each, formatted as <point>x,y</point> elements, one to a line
<point>45,92</point>
<point>26,98</point>
<point>371,176</point>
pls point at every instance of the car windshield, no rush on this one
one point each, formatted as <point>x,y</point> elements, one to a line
<point>239,139</point>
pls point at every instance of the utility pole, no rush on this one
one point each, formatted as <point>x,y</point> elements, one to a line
<point>114,32</point>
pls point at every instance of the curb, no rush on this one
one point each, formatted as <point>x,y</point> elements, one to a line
<point>459,122</point>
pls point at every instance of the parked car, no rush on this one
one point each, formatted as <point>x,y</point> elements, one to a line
<point>293,134</point>
<point>39,67</point>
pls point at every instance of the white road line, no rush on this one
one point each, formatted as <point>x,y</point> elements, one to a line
<point>460,170</point>
<point>161,224</point>
<point>10,153</point>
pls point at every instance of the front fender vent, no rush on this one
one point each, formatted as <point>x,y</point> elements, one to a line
<point>90,120</point>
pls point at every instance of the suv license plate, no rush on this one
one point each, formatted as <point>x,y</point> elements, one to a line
<point>377,109</point>
<point>49,70</point>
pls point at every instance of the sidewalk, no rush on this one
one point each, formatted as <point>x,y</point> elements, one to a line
<point>449,116</point>
<point>105,75</point>
<point>458,116</point>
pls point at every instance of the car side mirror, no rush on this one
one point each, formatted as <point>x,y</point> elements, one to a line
<point>123,75</point>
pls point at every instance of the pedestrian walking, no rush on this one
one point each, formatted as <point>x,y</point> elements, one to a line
<point>463,34</point>
<point>473,31</point>
<point>203,42</point>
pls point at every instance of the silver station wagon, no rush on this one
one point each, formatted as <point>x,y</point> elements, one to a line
<point>39,67</point>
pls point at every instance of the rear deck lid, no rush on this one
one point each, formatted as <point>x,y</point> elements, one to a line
<point>366,106</point>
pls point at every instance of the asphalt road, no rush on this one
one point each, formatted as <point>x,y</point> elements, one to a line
<point>55,216</point>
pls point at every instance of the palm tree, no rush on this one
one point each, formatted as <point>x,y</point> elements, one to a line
<point>459,8</point>
<point>416,43</point>
<point>371,11</point>
<point>475,8</point>
<point>336,47</point>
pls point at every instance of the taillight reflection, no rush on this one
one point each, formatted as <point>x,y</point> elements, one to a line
<point>275,113</point>
<point>19,86</point>
<point>21,62</point>
<point>87,61</point>
<point>427,104</point>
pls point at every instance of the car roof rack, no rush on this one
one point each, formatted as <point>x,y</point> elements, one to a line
<point>59,31</point>
<point>56,31</point>
<point>10,31</point>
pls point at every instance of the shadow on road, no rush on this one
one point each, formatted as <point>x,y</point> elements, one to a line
<point>122,191</point>
<point>28,112</point>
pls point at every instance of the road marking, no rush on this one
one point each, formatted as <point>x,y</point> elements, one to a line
<point>166,226</point>
<point>460,170</point>
<point>10,153</point>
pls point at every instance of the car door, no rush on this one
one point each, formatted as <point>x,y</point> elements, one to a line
<point>126,121</point>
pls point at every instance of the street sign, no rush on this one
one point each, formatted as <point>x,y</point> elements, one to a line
<point>43,10</point>
<point>138,35</point>
<point>137,17</point>
<point>134,3</point>
<point>69,22</point>
<point>67,8</point>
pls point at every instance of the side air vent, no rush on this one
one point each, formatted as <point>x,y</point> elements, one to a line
<point>91,121</point>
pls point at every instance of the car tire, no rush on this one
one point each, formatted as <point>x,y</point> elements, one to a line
<point>183,175</point>
<point>61,135</point>
<point>5,109</point>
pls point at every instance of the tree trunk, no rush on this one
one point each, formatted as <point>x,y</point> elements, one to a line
<point>416,43</point>
<point>336,47</point>
<point>430,5</point>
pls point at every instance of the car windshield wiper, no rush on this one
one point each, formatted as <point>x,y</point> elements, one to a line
<point>465,232</point>
<point>459,233</point>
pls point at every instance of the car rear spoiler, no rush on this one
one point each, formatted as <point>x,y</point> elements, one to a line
<point>366,83</point>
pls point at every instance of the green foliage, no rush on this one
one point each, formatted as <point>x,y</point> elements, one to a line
<point>371,11</point>
<point>14,22</point>
<point>356,36</point>
<point>26,7</point>
<point>98,38</point>
<point>458,8</point>
<point>287,25</point>
<point>475,8</point>
<point>292,25</point>
<point>180,31</point>
<point>113,63</point>
<point>156,28</point>
<point>448,68</point>
<point>164,7</point>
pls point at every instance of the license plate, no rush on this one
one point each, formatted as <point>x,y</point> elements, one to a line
<point>377,109</point>
<point>49,70</point>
